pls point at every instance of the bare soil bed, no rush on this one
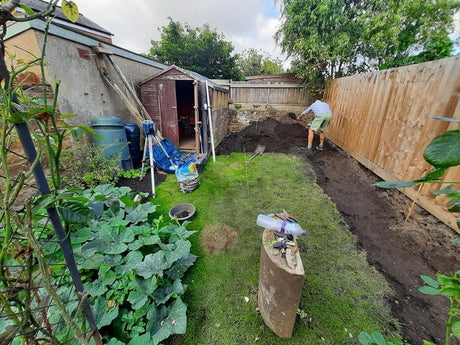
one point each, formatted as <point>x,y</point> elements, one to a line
<point>400,250</point>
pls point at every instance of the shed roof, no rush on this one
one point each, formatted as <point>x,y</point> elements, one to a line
<point>191,74</point>
<point>60,19</point>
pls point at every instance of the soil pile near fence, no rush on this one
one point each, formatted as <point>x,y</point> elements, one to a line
<point>400,250</point>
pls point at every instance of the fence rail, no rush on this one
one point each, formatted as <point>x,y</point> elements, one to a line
<point>381,119</point>
<point>269,93</point>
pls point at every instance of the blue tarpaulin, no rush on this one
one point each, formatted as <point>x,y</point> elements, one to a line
<point>166,156</point>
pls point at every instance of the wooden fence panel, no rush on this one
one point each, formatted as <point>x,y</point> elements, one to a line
<point>269,93</point>
<point>381,119</point>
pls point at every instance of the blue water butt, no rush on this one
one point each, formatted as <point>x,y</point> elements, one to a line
<point>114,140</point>
<point>133,134</point>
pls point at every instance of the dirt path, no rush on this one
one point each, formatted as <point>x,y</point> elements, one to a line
<point>400,250</point>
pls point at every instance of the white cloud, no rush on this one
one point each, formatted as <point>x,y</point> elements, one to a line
<point>135,23</point>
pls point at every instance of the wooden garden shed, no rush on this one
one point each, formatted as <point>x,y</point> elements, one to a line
<point>189,109</point>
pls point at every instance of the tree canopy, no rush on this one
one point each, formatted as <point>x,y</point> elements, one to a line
<point>202,50</point>
<point>256,62</point>
<point>333,38</point>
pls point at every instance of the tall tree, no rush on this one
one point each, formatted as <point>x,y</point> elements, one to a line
<point>201,50</point>
<point>256,62</point>
<point>332,38</point>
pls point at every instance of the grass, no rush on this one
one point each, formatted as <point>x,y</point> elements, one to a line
<point>342,295</point>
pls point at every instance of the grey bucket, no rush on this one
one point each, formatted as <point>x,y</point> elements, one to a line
<point>114,141</point>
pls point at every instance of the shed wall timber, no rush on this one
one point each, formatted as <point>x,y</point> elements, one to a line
<point>256,102</point>
<point>381,119</point>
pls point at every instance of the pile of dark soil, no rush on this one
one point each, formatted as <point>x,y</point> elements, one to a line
<point>400,250</point>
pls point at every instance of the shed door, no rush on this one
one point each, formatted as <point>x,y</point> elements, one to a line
<point>168,110</point>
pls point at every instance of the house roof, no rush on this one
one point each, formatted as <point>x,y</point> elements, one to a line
<point>60,19</point>
<point>191,74</point>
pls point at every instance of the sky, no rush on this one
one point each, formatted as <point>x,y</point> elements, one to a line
<point>245,23</point>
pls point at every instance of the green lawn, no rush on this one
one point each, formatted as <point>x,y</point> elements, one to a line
<point>342,294</point>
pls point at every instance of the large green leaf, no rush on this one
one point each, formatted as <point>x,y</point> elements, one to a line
<point>80,236</point>
<point>104,312</point>
<point>27,9</point>
<point>113,259</point>
<point>449,191</point>
<point>130,262</point>
<point>395,184</point>
<point>434,175</point>
<point>141,340</point>
<point>143,241</point>
<point>137,299</point>
<point>179,268</point>
<point>153,264</point>
<point>116,248</point>
<point>115,341</point>
<point>429,290</point>
<point>74,212</point>
<point>96,245</point>
<point>430,281</point>
<point>456,329</point>
<point>174,323</point>
<point>378,338</point>
<point>96,208</point>
<point>142,230</point>
<point>107,277</point>
<point>179,250</point>
<point>147,286</point>
<point>95,288</point>
<point>444,150</point>
<point>92,261</point>
<point>43,201</point>
<point>165,292</point>
<point>140,213</point>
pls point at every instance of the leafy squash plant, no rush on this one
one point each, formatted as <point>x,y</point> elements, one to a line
<point>443,152</point>
<point>131,264</point>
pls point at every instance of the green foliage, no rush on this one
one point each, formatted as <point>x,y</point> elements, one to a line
<point>442,152</point>
<point>202,50</point>
<point>85,165</point>
<point>256,62</point>
<point>329,39</point>
<point>133,173</point>
<point>131,265</point>
<point>377,338</point>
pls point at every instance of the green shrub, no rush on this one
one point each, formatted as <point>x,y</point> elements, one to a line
<point>85,166</point>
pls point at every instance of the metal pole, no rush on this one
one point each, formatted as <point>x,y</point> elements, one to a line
<point>152,167</point>
<point>31,153</point>
<point>211,131</point>
<point>143,159</point>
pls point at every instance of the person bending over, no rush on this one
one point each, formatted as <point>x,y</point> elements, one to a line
<point>323,115</point>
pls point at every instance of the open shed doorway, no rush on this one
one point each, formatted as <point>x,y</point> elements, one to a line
<point>187,100</point>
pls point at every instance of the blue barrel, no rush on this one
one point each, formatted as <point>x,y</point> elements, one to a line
<point>114,141</point>
<point>133,134</point>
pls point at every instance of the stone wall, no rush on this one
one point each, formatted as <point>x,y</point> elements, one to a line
<point>241,115</point>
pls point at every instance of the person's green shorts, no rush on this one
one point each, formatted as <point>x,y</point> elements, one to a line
<point>320,122</point>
